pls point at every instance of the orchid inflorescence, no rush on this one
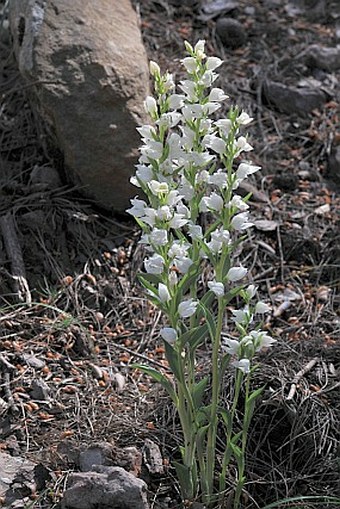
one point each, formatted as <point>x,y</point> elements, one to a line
<point>189,170</point>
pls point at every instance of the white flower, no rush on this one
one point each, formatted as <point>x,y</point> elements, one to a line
<point>216,287</point>
<point>244,119</point>
<point>154,264</point>
<point>173,198</point>
<point>246,169</point>
<point>190,64</point>
<point>169,119</point>
<point>231,346</point>
<point>195,231</point>
<point>144,173</point>
<point>238,203</point>
<point>243,365</point>
<point>163,293</point>
<point>224,125</point>
<point>164,213</point>
<point>158,188</point>
<point>147,132</point>
<point>150,216</point>
<point>213,62</point>
<point>150,105</point>
<point>251,291</point>
<point>242,145</point>
<point>208,78</point>
<point>176,101</point>
<point>217,94</point>
<point>154,68</point>
<point>189,88</point>
<point>261,340</point>
<point>262,308</point>
<point>215,143</point>
<point>169,335</point>
<point>173,279</point>
<point>183,264</point>
<point>219,179</point>
<point>236,273</point>
<point>240,315</point>
<point>212,202</point>
<point>159,237</point>
<point>187,308</point>
<point>199,49</point>
<point>151,150</point>
<point>178,249</point>
<point>240,222</point>
<point>178,221</point>
<point>169,82</point>
<point>138,207</point>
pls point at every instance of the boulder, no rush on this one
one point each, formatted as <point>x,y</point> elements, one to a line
<point>89,73</point>
<point>105,488</point>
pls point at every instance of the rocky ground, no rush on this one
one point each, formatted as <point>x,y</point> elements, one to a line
<point>76,320</point>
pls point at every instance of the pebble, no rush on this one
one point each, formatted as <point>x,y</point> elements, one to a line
<point>231,32</point>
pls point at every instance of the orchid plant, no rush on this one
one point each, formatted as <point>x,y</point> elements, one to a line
<point>192,217</point>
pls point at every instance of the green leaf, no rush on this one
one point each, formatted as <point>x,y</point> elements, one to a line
<point>226,419</point>
<point>185,481</point>
<point>189,279</point>
<point>211,321</point>
<point>194,337</point>
<point>199,390</point>
<point>149,281</point>
<point>174,361</point>
<point>309,498</point>
<point>158,377</point>
<point>255,394</point>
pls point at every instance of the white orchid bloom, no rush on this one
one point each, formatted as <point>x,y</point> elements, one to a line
<point>150,105</point>
<point>169,335</point>
<point>251,291</point>
<point>158,188</point>
<point>213,63</point>
<point>154,264</point>
<point>231,346</point>
<point>159,237</point>
<point>187,308</point>
<point>261,308</point>
<point>216,287</point>
<point>240,222</point>
<point>244,119</point>
<point>236,273</point>
<point>217,94</point>
<point>212,202</point>
<point>243,365</point>
<point>245,169</point>
<point>163,293</point>
<point>190,64</point>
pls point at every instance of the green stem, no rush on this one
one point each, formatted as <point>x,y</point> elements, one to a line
<point>212,432</point>
<point>241,463</point>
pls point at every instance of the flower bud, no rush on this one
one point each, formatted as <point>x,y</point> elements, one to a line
<point>154,69</point>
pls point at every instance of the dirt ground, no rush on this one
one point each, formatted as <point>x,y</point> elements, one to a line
<point>84,320</point>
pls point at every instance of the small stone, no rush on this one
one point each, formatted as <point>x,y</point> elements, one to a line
<point>105,487</point>
<point>153,457</point>
<point>333,167</point>
<point>47,176</point>
<point>325,58</point>
<point>39,390</point>
<point>33,361</point>
<point>98,454</point>
<point>231,32</point>
<point>300,101</point>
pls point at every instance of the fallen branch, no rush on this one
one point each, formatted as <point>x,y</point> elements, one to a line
<point>298,377</point>
<point>14,253</point>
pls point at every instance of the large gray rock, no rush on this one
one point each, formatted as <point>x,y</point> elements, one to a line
<point>90,74</point>
<point>105,488</point>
